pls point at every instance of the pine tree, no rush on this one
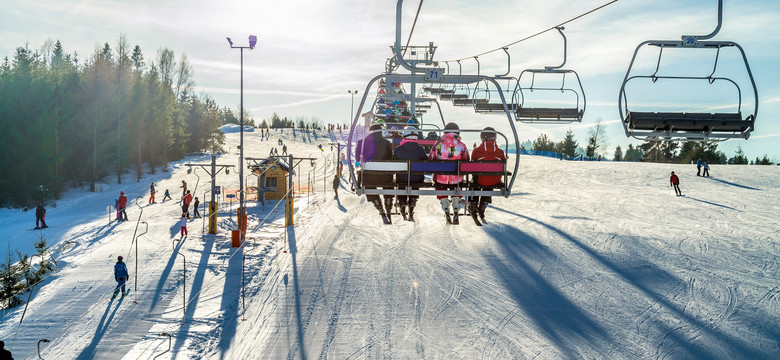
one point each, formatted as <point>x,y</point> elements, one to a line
<point>618,154</point>
<point>739,157</point>
<point>10,282</point>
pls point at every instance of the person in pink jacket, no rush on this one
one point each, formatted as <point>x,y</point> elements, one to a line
<point>449,147</point>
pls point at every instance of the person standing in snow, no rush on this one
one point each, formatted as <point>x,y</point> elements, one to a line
<point>122,202</point>
<point>706,169</point>
<point>185,203</point>
<point>151,194</point>
<point>40,217</point>
<point>284,149</point>
<point>409,149</point>
<point>675,182</point>
<point>487,150</point>
<point>167,195</point>
<point>195,212</point>
<point>183,224</point>
<point>120,275</point>
<point>698,167</point>
<point>184,188</point>
<point>449,147</point>
<point>336,182</point>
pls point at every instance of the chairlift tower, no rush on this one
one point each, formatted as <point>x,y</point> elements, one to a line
<point>212,170</point>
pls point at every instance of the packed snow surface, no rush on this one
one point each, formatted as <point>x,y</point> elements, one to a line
<point>583,260</point>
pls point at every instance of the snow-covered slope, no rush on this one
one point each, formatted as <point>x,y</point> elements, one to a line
<point>584,260</point>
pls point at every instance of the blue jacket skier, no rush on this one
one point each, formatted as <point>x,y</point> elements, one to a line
<point>120,275</point>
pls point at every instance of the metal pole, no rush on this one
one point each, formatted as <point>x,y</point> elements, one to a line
<point>135,284</point>
<point>184,293</point>
<point>39,347</point>
<point>241,155</point>
<point>243,290</point>
<point>169,345</point>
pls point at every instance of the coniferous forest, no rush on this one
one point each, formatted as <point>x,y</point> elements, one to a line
<point>67,121</point>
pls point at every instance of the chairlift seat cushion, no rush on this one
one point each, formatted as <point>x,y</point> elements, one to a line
<point>548,113</point>
<point>689,122</point>
<point>490,107</point>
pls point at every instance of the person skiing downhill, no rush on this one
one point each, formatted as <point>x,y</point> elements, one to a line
<point>487,150</point>
<point>120,275</point>
<point>449,147</point>
<point>40,217</point>
<point>706,169</point>
<point>674,181</point>
<point>409,149</point>
<point>167,195</point>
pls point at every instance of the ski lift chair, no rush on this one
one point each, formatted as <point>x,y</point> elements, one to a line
<point>650,125</point>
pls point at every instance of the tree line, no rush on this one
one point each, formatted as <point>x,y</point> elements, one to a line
<point>71,123</point>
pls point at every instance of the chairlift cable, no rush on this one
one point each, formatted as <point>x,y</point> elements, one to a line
<point>540,32</point>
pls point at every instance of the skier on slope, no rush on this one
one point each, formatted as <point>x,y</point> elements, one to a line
<point>167,195</point>
<point>122,203</point>
<point>336,182</point>
<point>376,147</point>
<point>151,194</point>
<point>409,150</point>
<point>487,150</point>
<point>195,205</point>
<point>184,188</point>
<point>185,203</point>
<point>674,181</point>
<point>40,217</point>
<point>183,224</point>
<point>120,275</point>
<point>449,147</point>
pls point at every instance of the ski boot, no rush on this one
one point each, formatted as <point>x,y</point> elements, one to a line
<point>481,210</point>
<point>473,212</point>
<point>449,219</point>
<point>389,210</point>
<point>378,206</point>
<point>402,210</point>
<point>411,212</point>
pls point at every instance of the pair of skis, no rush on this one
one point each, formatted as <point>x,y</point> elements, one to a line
<point>124,293</point>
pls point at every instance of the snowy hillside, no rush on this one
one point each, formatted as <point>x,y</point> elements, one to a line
<point>584,260</point>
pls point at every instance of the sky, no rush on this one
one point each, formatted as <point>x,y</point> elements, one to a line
<point>310,53</point>
<point>624,270</point>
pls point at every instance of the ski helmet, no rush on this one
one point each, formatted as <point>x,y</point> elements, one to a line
<point>121,193</point>
<point>410,132</point>
<point>488,133</point>
<point>451,126</point>
<point>119,258</point>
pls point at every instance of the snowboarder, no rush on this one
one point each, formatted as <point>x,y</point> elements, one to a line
<point>167,195</point>
<point>698,167</point>
<point>376,147</point>
<point>184,188</point>
<point>675,182</point>
<point>487,150</point>
<point>280,142</point>
<point>336,183</point>
<point>706,169</point>
<point>409,149</point>
<point>151,194</point>
<point>183,224</point>
<point>449,147</point>
<point>40,217</point>
<point>120,275</point>
<point>195,212</point>
<point>185,203</point>
<point>122,202</point>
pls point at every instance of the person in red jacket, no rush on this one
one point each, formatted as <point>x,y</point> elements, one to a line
<point>122,202</point>
<point>487,150</point>
<point>674,181</point>
<point>185,203</point>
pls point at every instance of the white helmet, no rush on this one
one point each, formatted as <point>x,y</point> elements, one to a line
<point>410,132</point>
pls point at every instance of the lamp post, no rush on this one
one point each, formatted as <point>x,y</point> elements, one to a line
<point>252,43</point>
<point>352,108</point>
